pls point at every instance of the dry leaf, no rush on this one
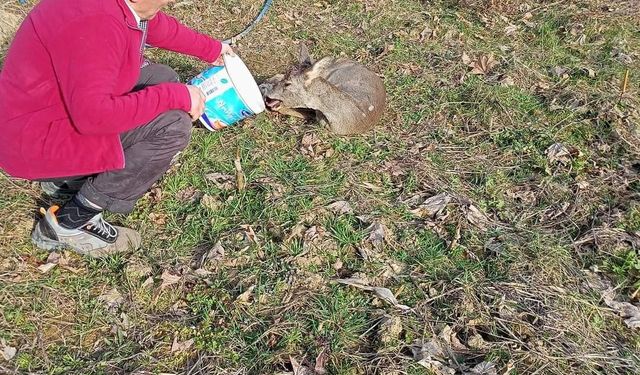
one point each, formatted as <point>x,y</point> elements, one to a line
<point>147,282</point>
<point>188,195</point>
<point>158,219</point>
<point>57,258</point>
<point>630,313</point>
<point>298,369</point>
<point>451,339</point>
<point>154,195</point>
<point>201,272</point>
<point>246,296</point>
<point>178,347</point>
<point>561,72</point>
<point>431,356</point>
<point>590,72</point>
<point>507,81</point>
<point>382,293</point>
<point>222,181</point>
<point>377,234</point>
<point>433,206</point>
<point>477,342</point>
<point>483,368</point>
<point>46,267</point>
<point>372,187</point>
<point>8,352</point>
<point>483,65</point>
<point>557,152</point>
<point>466,60</point>
<point>169,279</point>
<point>477,217</point>
<point>313,234</point>
<point>340,207</point>
<point>112,299</point>
<point>390,329</point>
<point>137,271</point>
<point>216,254</point>
<point>249,234</point>
<point>321,362</point>
<point>210,202</point>
<point>510,30</point>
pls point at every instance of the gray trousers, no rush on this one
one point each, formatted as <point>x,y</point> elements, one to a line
<point>148,151</point>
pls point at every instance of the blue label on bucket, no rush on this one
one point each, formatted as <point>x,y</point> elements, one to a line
<point>223,105</point>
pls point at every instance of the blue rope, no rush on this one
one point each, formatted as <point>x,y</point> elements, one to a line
<point>22,1</point>
<point>247,30</point>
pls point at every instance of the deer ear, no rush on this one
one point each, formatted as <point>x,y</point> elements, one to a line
<point>304,59</point>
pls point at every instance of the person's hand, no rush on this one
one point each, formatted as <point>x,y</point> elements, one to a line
<point>226,50</point>
<point>197,102</point>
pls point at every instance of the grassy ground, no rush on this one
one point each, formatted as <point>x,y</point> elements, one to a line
<point>509,274</point>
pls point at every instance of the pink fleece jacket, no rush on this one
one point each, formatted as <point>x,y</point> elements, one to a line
<point>65,87</point>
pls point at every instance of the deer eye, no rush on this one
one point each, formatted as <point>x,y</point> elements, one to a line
<point>287,83</point>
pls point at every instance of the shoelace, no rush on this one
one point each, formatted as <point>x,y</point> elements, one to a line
<point>105,228</point>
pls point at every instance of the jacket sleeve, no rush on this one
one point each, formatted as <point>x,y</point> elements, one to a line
<point>168,33</point>
<point>86,64</point>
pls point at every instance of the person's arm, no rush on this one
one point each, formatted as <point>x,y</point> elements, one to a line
<point>168,33</point>
<point>86,64</point>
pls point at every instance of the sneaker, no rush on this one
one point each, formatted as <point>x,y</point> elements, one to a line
<point>62,190</point>
<point>96,238</point>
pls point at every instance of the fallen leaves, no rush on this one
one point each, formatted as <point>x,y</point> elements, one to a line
<point>221,180</point>
<point>627,311</point>
<point>382,293</point>
<point>112,299</point>
<point>169,279</point>
<point>135,270</point>
<point>340,208</point>
<point>246,296</point>
<point>299,369</point>
<point>249,234</point>
<point>215,254</point>
<point>477,217</point>
<point>210,202</point>
<point>482,65</point>
<point>433,206</point>
<point>158,219</point>
<point>559,153</point>
<point>440,354</point>
<point>377,234</point>
<point>8,352</point>
<point>56,259</point>
<point>390,329</point>
<point>312,147</point>
<point>45,268</point>
<point>188,195</point>
<point>431,356</point>
<point>179,347</point>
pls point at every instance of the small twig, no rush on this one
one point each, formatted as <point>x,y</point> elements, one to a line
<point>625,84</point>
<point>240,178</point>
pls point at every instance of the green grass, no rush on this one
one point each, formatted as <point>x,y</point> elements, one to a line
<point>518,283</point>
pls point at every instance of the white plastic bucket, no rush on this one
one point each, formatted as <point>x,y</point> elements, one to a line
<point>231,92</point>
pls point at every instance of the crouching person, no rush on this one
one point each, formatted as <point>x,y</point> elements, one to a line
<point>85,114</point>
